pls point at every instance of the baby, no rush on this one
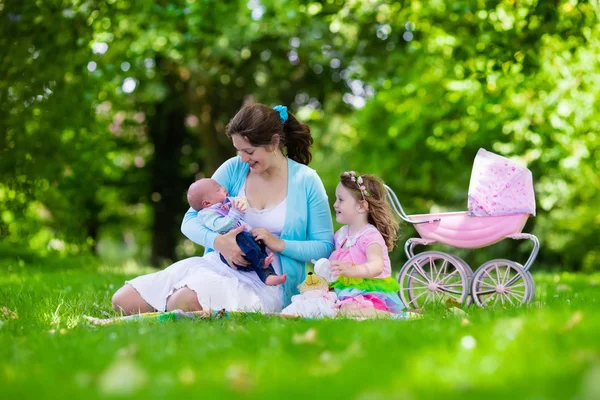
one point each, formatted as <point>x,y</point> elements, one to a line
<point>220,214</point>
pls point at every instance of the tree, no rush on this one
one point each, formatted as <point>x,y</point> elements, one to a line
<point>513,77</point>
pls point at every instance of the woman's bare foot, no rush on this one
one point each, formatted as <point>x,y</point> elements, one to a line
<point>274,280</point>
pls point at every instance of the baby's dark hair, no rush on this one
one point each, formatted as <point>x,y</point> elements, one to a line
<point>257,123</point>
<point>380,212</point>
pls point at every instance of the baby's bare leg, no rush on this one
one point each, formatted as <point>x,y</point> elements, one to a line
<point>268,260</point>
<point>273,280</point>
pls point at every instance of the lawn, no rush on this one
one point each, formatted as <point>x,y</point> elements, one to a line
<point>547,350</point>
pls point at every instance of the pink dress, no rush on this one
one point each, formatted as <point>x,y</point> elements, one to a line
<point>380,292</point>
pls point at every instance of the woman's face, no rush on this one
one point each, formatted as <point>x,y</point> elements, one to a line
<point>346,207</point>
<point>259,158</point>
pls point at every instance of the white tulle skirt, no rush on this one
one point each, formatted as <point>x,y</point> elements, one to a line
<point>216,285</point>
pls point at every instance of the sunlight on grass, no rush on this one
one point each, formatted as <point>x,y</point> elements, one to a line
<point>547,349</point>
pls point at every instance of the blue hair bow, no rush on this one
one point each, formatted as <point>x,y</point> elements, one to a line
<point>283,114</point>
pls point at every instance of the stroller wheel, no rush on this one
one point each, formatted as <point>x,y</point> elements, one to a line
<point>433,277</point>
<point>531,283</point>
<point>502,282</point>
<point>469,272</point>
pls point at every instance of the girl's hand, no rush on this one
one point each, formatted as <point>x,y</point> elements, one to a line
<point>228,247</point>
<point>340,268</point>
<point>276,245</point>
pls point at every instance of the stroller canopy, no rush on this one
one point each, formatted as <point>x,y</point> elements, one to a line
<point>499,186</point>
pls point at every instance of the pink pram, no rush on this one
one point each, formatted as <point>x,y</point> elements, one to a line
<point>500,201</point>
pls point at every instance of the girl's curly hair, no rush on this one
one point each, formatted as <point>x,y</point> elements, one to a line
<point>380,212</point>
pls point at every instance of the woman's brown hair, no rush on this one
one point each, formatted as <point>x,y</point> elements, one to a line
<point>380,212</point>
<point>257,123</point>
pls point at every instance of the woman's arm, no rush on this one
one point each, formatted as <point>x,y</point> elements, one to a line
<point>193,229</point>
<point>319,227</point>
<point>372,268</point>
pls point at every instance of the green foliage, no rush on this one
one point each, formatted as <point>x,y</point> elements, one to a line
<point>108,109</point>
<point>516,78</point>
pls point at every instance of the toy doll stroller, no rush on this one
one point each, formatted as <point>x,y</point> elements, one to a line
<point>501,198</point>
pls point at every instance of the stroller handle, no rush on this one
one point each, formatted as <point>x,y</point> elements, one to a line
<point>397,207</point>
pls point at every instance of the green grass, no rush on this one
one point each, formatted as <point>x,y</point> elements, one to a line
<point>548,350</point>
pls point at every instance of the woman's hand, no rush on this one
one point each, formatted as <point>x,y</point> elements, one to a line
<point>275,244</point>
<point>340,268</point>
<point>229,249</point>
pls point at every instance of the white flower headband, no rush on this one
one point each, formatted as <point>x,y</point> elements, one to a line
<point>359,183</point>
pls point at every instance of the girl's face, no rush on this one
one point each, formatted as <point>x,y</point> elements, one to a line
<point>347,209</point>
<point>259,158</point>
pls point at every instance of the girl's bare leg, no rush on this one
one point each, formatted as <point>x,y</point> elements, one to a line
<point>352,312</point>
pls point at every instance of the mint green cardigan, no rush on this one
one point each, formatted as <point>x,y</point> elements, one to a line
<point>308,228</point>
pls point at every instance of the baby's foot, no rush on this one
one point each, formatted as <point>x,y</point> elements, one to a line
<point>268,261</point>
<point>274,280</point>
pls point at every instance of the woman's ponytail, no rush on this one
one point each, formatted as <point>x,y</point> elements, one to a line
<point>297,139</point>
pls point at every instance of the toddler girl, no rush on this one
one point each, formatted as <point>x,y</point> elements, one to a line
<point>360,260</point>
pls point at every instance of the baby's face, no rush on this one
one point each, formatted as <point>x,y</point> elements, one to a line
<point>206,192</point>
<point>213,193</point>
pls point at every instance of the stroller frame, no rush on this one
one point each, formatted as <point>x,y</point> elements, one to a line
<point>434,276</point>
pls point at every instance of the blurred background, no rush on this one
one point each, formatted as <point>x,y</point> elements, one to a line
<point>110,109</point>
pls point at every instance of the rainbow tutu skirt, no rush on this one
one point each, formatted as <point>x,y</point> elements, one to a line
<point>378,293</point>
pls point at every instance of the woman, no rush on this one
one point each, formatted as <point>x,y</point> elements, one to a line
<point>287,206</point>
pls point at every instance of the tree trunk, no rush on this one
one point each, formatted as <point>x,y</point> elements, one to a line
<point>92,223</point>
<point>168,132</point>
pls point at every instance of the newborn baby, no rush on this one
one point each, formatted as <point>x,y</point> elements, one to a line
<point>220,214</point>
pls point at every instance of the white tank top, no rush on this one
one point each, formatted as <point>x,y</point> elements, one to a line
<point>272,219</point>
